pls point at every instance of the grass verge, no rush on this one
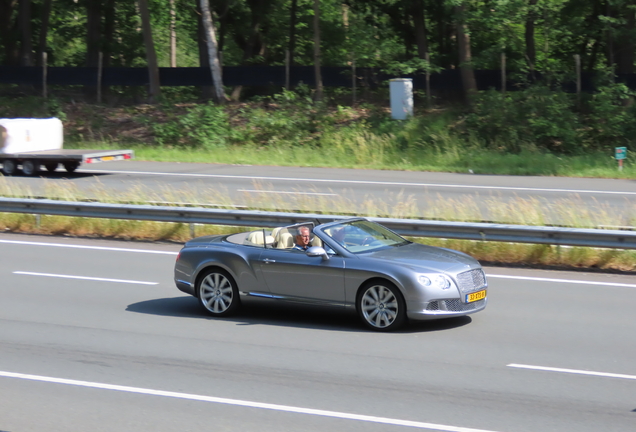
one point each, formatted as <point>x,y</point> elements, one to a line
<point>525,212</point>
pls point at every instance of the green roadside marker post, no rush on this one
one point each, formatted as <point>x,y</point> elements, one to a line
<point>620,153</point>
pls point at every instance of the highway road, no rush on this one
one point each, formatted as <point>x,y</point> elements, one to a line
<point>95,337</point>
<point>431,195</point>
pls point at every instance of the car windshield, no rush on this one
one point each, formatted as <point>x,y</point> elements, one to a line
<point>363,236</point>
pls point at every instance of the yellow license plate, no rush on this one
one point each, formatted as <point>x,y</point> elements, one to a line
<point>107,158</point>
<point>472,297</point>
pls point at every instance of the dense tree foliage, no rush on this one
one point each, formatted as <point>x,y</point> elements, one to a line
<point>535,35</point>
<point>536,40</point>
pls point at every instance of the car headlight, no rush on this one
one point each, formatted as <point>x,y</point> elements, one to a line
<point>434,281</point>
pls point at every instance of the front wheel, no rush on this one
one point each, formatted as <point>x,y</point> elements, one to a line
<point>218,293</point>
<point>381,306</point>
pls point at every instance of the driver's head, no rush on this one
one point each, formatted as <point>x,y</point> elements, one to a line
<point>302,236</point>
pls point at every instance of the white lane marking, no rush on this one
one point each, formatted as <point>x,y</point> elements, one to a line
<point>562,281</point>
<point>111,249</point>
<point>84,278</point>
<point>365,182</point>
<point>175,253</point>
<point>573,371</point>
<point>286,192</point>
<point>243,403</point>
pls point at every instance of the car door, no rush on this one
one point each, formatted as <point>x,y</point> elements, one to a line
<point>293,275</point>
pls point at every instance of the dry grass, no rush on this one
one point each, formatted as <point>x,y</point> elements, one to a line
<point>519,211</point>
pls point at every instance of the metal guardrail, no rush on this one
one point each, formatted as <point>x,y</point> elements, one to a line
<point>409,227</point>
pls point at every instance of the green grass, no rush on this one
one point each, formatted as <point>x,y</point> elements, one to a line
<point>532,132</point>
<point>374,154</point>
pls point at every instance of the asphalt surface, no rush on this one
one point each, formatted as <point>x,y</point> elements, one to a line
<point>95,337</point>
<point>348,189</point>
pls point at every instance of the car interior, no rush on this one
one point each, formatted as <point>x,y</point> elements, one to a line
<point>278,238</point>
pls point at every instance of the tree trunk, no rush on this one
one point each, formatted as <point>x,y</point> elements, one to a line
<point>610,36</point>
<point>109,32</point>
<point>26,46</point>
<point>44,30</point>
<point>173,35</point>
<point>463,46</point>
<point>531,50</point>
<point>93,32</point>
<point>292,30</point>
<point>8,38</point>
<point>207,92</point>
<point>215,65</point>
<point>151,56</point>
<point>317,66</point>
<point>445,35</point>
<point>417,11</point>
<point>624,46</point>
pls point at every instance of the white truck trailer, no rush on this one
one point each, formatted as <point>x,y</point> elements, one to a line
<point>35,143</point>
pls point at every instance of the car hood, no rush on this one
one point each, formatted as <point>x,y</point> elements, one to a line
<point>424,258</point>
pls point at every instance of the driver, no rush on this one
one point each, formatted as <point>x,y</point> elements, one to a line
<point>301,241</point>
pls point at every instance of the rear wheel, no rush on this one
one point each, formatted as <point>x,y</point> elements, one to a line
<point>8,167</point>
<point>30,168</point>
<point>71,166</point>
<point>51,166</point>
<point>381,306</point>
<point>217,293</point>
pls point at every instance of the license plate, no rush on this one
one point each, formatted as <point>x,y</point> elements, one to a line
<point>107,158</point>
<point>472,297</point>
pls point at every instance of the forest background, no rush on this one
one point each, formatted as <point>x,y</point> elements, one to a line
<point>533,127</point>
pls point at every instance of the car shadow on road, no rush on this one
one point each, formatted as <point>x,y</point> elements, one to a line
<point>264,312</point>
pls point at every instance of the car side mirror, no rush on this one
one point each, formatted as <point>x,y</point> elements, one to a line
<point>317,251</point>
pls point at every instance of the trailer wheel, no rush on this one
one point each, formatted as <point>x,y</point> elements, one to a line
<point>30,168</point>
<point>8,167</point>
<point>51,166</point>
<point>71,166</point>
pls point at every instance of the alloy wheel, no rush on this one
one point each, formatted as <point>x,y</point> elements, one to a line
<point>381,307</point>
<point>217,293</point>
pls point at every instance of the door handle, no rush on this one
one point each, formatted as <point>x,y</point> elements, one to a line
<point>267,261</point>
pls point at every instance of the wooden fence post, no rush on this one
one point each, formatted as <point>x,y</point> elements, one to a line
<point>427,57</point>
<point>100,65</point>
<point>577,65</point>
<point>353,78</point>
<point>287,61</point>
<point>44,75</point>
<point>503,73</point>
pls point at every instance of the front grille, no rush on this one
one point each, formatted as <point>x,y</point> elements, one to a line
<point>471,280</point>
<point>454,305</point>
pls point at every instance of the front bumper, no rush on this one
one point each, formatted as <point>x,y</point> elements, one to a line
<point>447,308</point>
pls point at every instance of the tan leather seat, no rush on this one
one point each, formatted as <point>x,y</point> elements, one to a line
<point>256,238</point>
<point>316,242</point>
<point>285,241</point>
<point>275,231</point>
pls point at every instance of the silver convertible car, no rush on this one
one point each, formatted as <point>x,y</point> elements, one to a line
<point>354,263</point>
